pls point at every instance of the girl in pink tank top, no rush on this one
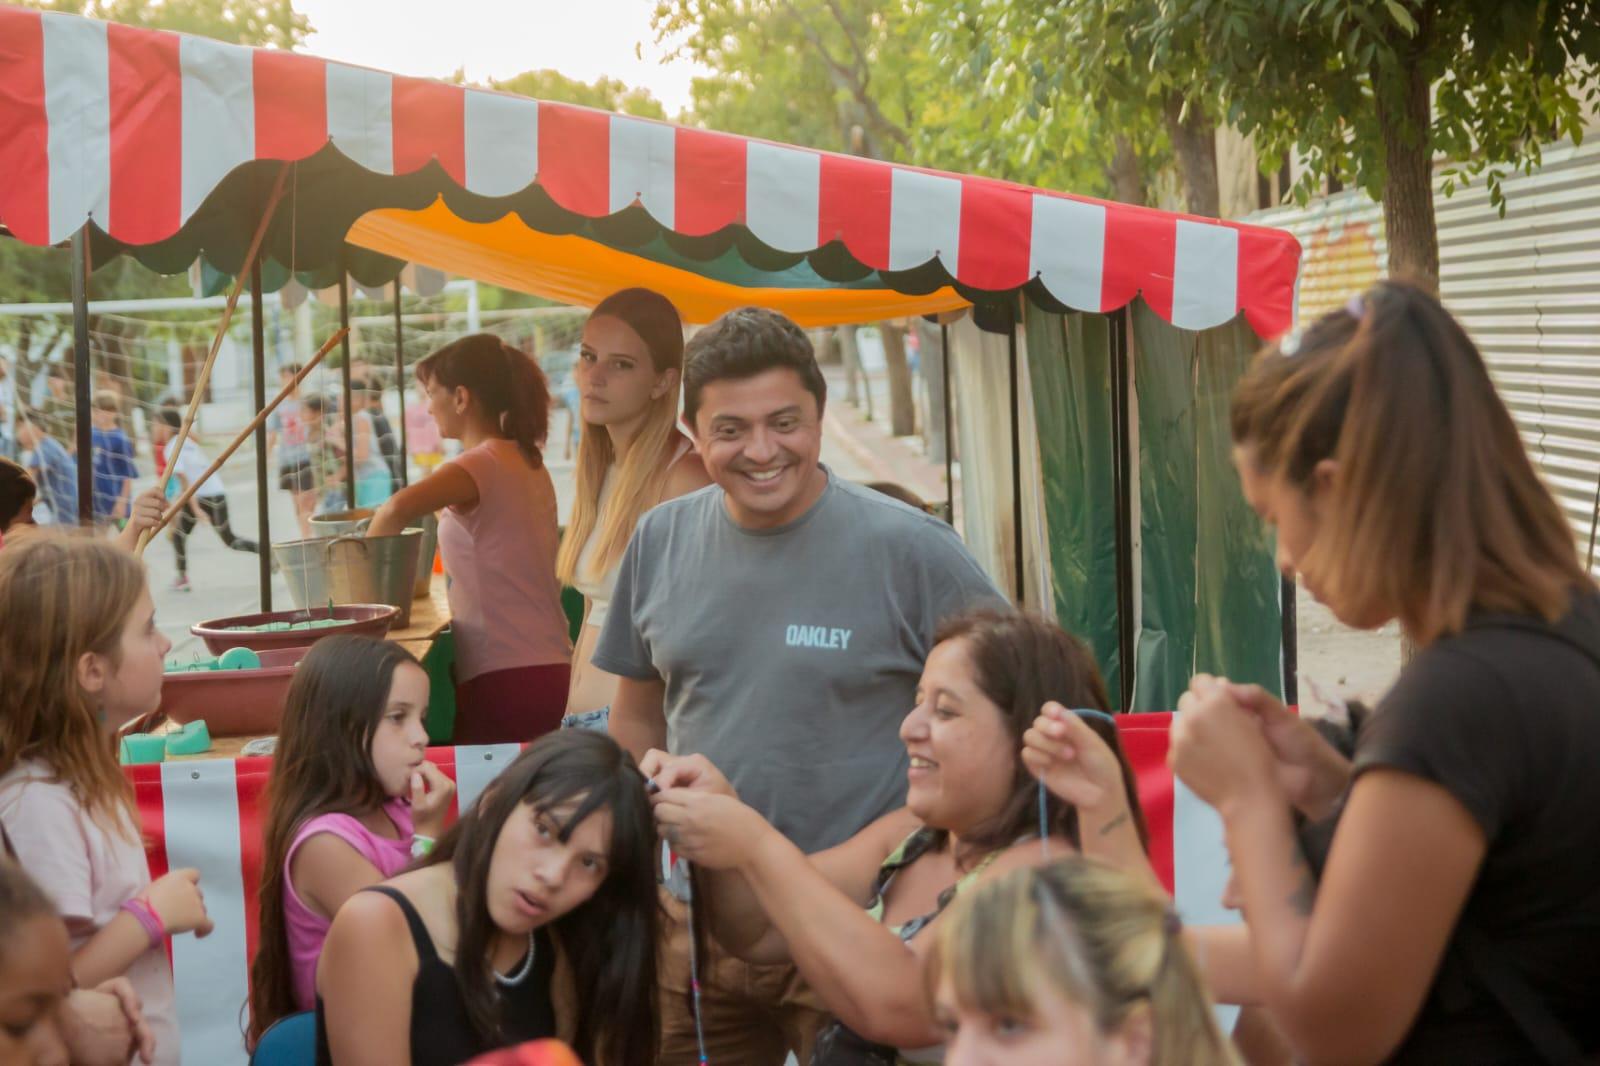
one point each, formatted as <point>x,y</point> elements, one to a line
<point>351,801</point>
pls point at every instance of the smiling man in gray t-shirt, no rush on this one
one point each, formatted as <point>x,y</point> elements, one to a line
<point>775,622</point>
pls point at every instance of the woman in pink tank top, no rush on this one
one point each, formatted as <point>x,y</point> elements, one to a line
<point>352,799</point>
<point>498,535</point>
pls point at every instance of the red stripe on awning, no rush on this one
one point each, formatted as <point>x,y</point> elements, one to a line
<point>250,783</point>
<point>1141,247</point>
<point>575,158</point>
<point>24,130</point>
<point>1269,263</point>
<point>853,207</point>
<point>1146,750</point>
<point>291,105</point>
<point>146,134</point>
<point>996,230</point>
<point>430,121</point>
<point>709,183</point>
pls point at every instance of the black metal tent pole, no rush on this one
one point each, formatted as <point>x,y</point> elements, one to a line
<point>949,441</point>
<point>1016,466</point>
<point>258,353</point>
<point>400,383</point>
<point>1291,643</point>
<point>344,377</point>
<point>1122,481</point>
<point>82,385</point>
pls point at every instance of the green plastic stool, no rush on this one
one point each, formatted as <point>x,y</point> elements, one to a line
<point>441,723</point>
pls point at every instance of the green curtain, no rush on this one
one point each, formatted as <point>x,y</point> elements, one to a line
<point>1163,374</point>
<point>1238,626</point>
<point>1069,361</point>
<point>1208,587</point>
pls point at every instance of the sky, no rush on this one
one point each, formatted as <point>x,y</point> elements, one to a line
<point>583,39</point>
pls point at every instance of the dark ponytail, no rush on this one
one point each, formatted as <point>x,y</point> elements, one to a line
<point>508,385</point>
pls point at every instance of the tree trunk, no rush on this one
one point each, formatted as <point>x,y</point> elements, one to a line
<point>1405,116</point>
<point>828,349</point>
<point>855,381</point>
<point>1195,141</point>
<point>1126,174</point>
<point>902,401</point>
<point>932,388</point>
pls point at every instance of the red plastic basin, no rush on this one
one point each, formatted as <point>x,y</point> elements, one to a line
<point>366,619</point>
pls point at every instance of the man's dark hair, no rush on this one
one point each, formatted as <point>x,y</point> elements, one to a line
<point>170,416</point>
<point>742,344</point>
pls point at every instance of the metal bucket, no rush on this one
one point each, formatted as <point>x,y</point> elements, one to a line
<point>341,523</point>
<point>430,543</point>
<point>351,569</point>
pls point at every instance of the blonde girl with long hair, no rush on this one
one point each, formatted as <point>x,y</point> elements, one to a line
<point>80,656</point>
<point>1071,964</point>
<point>632,456</point>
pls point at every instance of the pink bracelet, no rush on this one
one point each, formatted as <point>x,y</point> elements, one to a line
<point>147,917</point>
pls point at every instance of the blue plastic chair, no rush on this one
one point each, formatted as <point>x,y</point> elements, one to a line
<point>289,1041</point>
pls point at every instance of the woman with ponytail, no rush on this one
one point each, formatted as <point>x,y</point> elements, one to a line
<point>1071,964</point>
<point>632,457</point>
<point>498,536</point>
<point>1455,916</point>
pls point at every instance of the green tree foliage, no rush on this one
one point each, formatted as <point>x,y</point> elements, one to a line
<point>1369,91</point>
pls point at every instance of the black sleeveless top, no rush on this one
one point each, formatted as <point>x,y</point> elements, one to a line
<point>441,1032</point>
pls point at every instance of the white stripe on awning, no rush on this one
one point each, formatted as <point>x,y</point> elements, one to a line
<point>77,104</point>
<point>1067,250</point>
<point>644,167</point>
<point>219,115</point>
<point>200,809</point>
<point>502,143</point>
<point>476,766</point>
<point>361,115</point>
<point>924,220</point>
<point>1205,275</point>
<point>783,195</point>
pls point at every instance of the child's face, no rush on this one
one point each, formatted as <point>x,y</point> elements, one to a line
<point>133,686</point>
<point>105,419</point>
<point>401,741</point>
<point>1059,1033</point>
<point>535,877</point>
<point>35,976</point>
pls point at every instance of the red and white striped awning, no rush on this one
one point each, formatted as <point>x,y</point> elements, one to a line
<point>131,130</point>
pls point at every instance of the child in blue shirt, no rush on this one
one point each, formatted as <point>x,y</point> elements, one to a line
<point>114,469</point>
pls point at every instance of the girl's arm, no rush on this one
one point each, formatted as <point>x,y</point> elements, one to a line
<point>363,441</point>
<point>448,486</point>
<point>1345,966</point>
<point>110,951</point>
<point>326,871</point>
<point>365,978</point>
<point>1227,961</point>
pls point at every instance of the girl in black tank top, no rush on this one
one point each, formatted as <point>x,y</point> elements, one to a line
<point>542,899</point>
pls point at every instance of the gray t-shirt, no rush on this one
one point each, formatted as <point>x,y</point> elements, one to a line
<point>791,655</point>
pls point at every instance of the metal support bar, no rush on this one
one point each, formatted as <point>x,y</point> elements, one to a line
<point>83,385</point>
<point>400,385</point>
<point>1016,471</point>
<point>1122,478</point>
<point>949,439</point>
<point>1291,643</point>
<point>258,353</point>
<point>344,401</point>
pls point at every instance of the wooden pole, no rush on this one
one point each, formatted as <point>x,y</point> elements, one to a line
<point>244,435</point>
<point>204,377</point>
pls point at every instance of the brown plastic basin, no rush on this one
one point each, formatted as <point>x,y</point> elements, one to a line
<point>234,703</point>
<point>366,619</point>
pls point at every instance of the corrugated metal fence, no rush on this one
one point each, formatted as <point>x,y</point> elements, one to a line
<point>1527,287</point>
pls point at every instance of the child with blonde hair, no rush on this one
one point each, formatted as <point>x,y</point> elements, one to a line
<point>80,656</point>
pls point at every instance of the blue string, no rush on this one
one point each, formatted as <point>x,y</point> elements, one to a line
<point>1044,813</point>
<point>694,967</point>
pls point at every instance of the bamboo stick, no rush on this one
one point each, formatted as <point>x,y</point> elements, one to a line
<point>204,377</point>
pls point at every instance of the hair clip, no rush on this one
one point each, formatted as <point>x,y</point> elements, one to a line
<point>1289,344</point>
<point>1356,307</point>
